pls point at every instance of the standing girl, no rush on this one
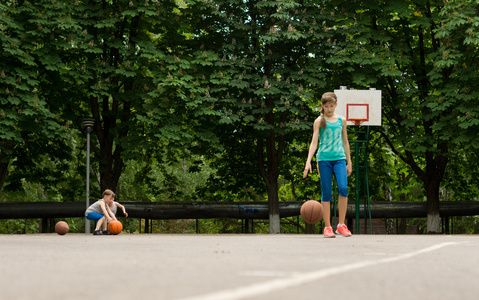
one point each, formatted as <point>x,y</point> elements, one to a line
<point>333,156</point>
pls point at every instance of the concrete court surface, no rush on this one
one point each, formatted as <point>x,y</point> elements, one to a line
<point>197,267</point>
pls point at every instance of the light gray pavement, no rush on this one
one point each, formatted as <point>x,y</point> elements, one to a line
<point>79,266</point>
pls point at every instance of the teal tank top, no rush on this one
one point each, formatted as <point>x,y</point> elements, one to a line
<point>331,142</point>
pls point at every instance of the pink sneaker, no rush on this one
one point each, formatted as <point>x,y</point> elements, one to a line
<point>343,230</point>
<point>328,232</point>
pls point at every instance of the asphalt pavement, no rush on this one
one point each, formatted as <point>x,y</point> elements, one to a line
<point>254,266</point>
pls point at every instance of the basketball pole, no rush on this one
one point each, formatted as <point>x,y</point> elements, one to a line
<point>356,105</point>
<point>356,163</point>
<point>88,123</point>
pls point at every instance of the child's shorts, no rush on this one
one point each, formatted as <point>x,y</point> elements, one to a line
<point>94,216</point>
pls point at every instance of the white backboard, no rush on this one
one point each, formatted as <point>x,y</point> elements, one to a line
<point>359,106</point>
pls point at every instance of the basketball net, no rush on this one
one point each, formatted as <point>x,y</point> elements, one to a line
<point>357,122</point>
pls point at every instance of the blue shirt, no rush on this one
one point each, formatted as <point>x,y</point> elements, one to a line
<point>331,142</point>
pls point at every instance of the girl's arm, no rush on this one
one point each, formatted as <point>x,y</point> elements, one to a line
<point>346,147</point>
<point>106,211</point>
<point>110,213</point>
<point>312,148</point>
<point>122,208</point>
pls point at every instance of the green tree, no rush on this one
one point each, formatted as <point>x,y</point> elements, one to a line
<point>113,64</point>
<point>103,60</point>
<point>262,68</point>
<point>125,63</point>
<point>30,126</point>
<point>422,55</point>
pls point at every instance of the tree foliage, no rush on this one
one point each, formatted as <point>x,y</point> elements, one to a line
<point>228,90</point>
<point>261,69</point>
<point>421,54</point>
<point>31,127</point>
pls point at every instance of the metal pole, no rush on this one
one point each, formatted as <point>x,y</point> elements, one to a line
<point>87,222</point>
<point>366,175</point>
<point>88,123</point>
<point>356,163</point>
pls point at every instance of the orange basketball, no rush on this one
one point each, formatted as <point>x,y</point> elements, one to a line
<point>311,211</point>
<point>115,227</point>
<point>61,227</point>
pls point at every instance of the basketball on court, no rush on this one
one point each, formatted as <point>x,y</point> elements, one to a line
<point>115,227</point>
<point>311,211</point>
<point>61,227</point>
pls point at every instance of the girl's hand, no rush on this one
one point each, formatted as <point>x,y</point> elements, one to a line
<point>125,213</point>
<point>349,168</point>
<point>307,169</point>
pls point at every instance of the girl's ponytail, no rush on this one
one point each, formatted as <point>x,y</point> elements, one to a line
<point>323,120</point>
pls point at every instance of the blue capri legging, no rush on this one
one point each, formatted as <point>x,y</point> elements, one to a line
<point>326,170</point>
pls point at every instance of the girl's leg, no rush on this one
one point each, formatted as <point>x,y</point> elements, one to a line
<point>342,207</point>
<point>326,177</point>
<point>326,213</point>
<point>342,181</point>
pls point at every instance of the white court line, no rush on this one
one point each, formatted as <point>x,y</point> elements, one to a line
<point>269,274</point>
<point>283,283</point>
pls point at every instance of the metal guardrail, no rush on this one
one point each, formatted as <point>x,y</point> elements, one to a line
<point>237,210</point>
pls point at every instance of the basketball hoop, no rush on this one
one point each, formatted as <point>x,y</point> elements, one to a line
<point>358,122</point>
<point>357,113</point>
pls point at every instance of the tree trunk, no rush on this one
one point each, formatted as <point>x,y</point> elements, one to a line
<point>433,217</point>
<point>431,177</point>
<point>108,180</point>
<point>3,169</point>
<point>269,170</point>
<point>111,164</point>
<point>4,162</point>
<point>273,201</point>
<point>435,169</point>
<point>109,149</point>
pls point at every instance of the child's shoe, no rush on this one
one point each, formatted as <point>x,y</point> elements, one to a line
<point>106,232</point>
<point>328,232</point>
<point>97,232</point>
<point>343,230</point>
